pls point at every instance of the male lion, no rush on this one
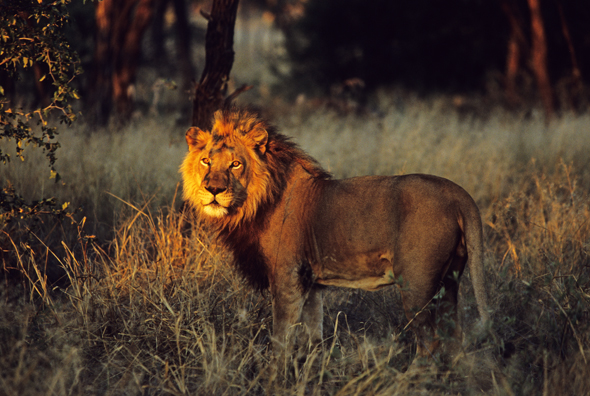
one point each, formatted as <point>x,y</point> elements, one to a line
<point>294,229</point>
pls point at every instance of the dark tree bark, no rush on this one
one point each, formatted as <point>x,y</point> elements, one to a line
<point>575,86</point>
<point>539,58</point>
<point>211,89</point>
<point>517,47</point>
<point>535,52</point>
<point>127,56</point>
<point>159,56</point>
<point>183,61</point>
<point>183,44</point>
<point>120,28</point>
<point>101,90</point>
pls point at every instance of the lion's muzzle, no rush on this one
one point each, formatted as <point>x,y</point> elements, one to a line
<point>216,196</point>
<point>215,182</point>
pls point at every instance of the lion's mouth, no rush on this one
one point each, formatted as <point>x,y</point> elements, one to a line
<point>215,209</point>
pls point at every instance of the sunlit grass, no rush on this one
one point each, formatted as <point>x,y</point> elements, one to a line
<point>154,306</point>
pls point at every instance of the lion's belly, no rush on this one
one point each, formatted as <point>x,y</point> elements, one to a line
<point>370,271</point>
<point>371,283</point>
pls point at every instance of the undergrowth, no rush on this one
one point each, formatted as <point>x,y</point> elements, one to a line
<point>154,307</point>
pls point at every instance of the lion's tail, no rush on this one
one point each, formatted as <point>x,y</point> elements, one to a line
<point>474,242</point>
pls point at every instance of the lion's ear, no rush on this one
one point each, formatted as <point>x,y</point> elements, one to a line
<point>196,138</point>
<point>259,136</point>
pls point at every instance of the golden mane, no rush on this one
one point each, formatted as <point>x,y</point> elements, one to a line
<point>270,172</point>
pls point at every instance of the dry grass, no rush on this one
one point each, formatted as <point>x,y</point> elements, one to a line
<point>151,309</point>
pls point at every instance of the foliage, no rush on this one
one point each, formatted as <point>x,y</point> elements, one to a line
<point>31,36</point>
<point>13,206</point>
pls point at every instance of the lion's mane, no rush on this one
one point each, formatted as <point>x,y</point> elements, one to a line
<point>241,228</point>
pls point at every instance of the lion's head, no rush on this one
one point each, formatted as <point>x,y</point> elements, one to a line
<point>225,173</point>
<point>234,174</point>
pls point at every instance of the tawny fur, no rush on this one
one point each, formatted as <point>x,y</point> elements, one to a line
<point>294,229</point>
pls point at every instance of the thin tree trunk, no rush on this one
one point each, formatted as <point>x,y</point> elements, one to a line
<point>183,44</point>
<point>539,58</point>
<point>219,57</point>
<point>517,45</point>
<point>512,67</point>
<point>576,86</point>
<point>120,27</point>
<point>576,73</point>
<point>127,55</point>
<point>101,90</point>
<point>157,32</point>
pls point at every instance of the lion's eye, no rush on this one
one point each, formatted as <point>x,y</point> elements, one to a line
<point>236,164</point>
<point>206,161</point>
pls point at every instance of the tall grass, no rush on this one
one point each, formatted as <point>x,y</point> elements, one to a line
<point>102,168</point>
<point>154,307</point>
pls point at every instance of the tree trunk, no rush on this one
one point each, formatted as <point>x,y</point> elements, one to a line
<point>539,58</point>
<point>101,91</point>
<point>183,44</point>
<point>517,45</point>
<point>120,27</point>
<point>219,57</point>
<point>130,28</point>
<point>159,55</point>
<point>576,88</point>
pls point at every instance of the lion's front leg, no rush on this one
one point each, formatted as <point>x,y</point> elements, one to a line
<point>312,317</point>
<point>297,318</point>
<point>287,305</point>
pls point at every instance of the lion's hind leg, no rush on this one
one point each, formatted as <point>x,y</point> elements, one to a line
<point>416,301</point>
<point>430,304</point>
<point>448,326</point>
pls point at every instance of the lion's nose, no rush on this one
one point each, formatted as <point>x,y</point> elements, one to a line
<point>215,190</point>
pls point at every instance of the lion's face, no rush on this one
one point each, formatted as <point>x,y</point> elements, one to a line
<point>224,171</point>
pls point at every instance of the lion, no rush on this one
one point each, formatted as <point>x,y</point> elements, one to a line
<point>294,229</point>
